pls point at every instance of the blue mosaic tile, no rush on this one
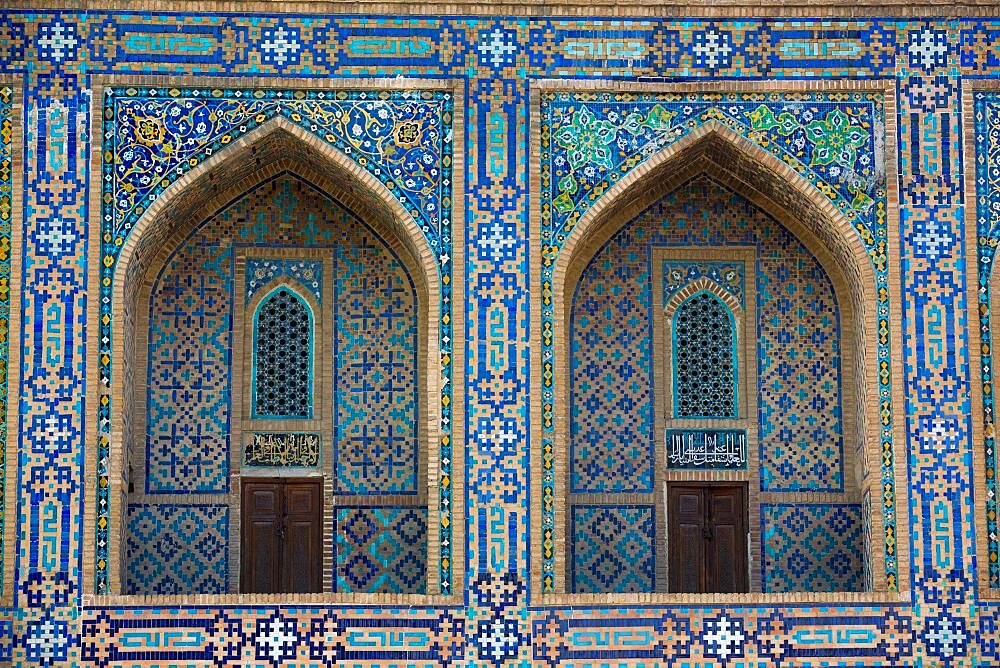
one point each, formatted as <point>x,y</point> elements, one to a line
<point>915,230</point>
<point>613,549</point>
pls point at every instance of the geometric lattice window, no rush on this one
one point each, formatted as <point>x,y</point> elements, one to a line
<point>704,363</point>
<point>282,357</point>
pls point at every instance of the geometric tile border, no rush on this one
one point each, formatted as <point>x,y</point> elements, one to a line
<point>986,112</point>
<point>6,246</point>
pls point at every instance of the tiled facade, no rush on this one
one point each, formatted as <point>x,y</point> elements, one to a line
<point>498,154</point>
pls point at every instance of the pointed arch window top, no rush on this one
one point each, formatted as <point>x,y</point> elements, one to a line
<point>704,358</point>
<point>282,356</point>
<point>262,271</point>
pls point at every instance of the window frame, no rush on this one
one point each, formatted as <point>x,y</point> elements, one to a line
<point>271,291</point>
<point>243,420</point>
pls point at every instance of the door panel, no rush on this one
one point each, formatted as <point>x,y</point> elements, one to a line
<point>687,548</point>
<point>727,550</point>
<point>260,538</point>
<point>281,545</point>
<point>303,542</point>
<point>706,537</point>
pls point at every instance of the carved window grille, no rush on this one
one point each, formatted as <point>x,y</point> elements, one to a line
<point>705,362</point>
<point>282,364</point>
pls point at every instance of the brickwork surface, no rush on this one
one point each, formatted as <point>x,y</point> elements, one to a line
<point>509,147</point>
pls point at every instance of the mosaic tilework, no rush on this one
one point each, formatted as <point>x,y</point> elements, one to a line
<point>932,199</point>
<point>400,138</point>
<point>987,110</point>
<point>841,636</point>
<point>590,140</point>
<point>6,214</point>
<point>276,636</point>
<point>798,349</point>
<point>187,396</point>
<point>799,332</point>
<point>611,447</point>
<point>597,138</point>
<point>375,441</point>
<point>613,549</point>
<point>679,273</point>
<point>261,271</point>
<point>811,547</point>
<point>51,424</point>
<point>176,549</point>
<point>381,550</point>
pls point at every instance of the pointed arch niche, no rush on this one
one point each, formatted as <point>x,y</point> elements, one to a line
<point>710,160</point>
<point>277,163</point>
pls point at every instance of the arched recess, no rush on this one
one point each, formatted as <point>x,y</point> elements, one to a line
<point>271,149</point>
<point>800,207</point>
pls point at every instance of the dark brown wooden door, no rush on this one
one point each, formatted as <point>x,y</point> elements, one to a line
<point>707,538</point>
<point>281,545</point>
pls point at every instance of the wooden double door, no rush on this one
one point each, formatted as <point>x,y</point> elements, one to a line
<point>281,543</point>
<point>707,538</point>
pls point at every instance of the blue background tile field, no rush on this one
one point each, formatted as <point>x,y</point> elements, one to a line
<point>896,122</point>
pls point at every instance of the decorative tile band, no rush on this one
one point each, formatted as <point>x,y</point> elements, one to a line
<point>6,221</point>
<point>987,113</point>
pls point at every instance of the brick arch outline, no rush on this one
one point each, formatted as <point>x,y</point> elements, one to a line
<point>854,280</point>
<point>198,194</point>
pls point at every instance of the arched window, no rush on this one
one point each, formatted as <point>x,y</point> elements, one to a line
<point>704,359</point>
<point>282,357</point>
